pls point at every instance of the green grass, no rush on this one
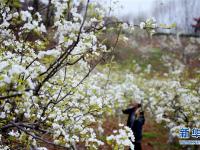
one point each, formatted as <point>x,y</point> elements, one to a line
<point>125,57</point>
<point>161,146</point>
<point>150,135</point>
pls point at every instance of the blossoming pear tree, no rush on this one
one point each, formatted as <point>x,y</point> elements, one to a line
<point>172,99</point>
<point>47,91</point>
<point>175,100</point>
<point>51,90</point>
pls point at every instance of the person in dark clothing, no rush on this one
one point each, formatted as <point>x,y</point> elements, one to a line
<point>135,122</point>
<point>197,25</point>
<point>137,129</point>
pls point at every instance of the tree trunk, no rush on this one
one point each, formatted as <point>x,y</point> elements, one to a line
<point>36,5</point>
<point>48,15</point>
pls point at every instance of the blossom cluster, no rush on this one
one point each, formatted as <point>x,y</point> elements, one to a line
<point>122,138</point>
<point>150,25</point>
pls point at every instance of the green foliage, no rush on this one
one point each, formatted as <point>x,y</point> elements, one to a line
<point>171,26</point>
